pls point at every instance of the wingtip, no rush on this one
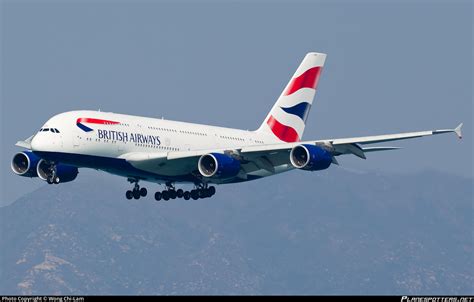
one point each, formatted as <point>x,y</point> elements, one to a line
<point>457,130</point>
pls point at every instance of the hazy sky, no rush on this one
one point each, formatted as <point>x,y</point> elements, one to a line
<point>391,67</point>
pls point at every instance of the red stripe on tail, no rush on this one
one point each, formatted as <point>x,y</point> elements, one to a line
<point>308,79</point>
<point>283,132</point>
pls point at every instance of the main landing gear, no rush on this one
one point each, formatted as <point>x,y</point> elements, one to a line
<point>200,191</point>
<point>136,192</point>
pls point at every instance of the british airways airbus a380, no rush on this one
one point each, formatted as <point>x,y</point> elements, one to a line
<point>169,152</point>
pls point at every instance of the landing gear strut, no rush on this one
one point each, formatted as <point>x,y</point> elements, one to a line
<point>200,191</point>
<point>136,192</point>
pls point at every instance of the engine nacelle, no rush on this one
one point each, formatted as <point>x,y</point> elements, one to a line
<point>218,165</point>
<point>65,173</point>
<point>310,157</point>
<point>24,164</point>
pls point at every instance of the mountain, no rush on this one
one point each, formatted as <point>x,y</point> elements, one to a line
<point>329,232</point>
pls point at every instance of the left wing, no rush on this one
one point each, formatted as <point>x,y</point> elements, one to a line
<point>341,146</point>
<point>267,157</point>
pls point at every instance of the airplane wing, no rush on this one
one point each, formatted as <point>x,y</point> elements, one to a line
<point>353,146</point>
<point>267,157</point>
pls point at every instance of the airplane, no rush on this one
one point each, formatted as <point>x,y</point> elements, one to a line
<point>170,152</point>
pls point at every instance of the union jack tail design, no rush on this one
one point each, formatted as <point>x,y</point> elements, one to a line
<point>287,119</point>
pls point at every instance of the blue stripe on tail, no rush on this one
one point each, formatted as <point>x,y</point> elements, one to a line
<point>301,110</point>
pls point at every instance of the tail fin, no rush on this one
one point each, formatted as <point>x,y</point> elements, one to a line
<point>287,119</point>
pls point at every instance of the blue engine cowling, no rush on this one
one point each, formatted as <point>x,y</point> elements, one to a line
<point>310,157</point>
<point>218,165</point>
<point>24,164</point>
<point>65,173</point>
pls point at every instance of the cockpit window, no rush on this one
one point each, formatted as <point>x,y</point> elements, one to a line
<point>54,130</point>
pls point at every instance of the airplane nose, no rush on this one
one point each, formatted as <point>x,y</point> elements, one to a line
<point>35,144</point>
<point>46,142</point>
<point>39,143</point>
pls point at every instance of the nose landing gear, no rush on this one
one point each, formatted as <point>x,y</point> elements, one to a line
<point>51,176</point>
<point>53,180</point>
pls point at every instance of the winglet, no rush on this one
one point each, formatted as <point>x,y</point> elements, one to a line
<point>457,130</point>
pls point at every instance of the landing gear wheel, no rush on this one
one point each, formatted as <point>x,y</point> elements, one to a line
<point>202,193</point>
<point>194,194</point>
<point>143,192</point>
<point>212,191</point>
<point>158,196</point>
<point>179,193</point>
<point>129,194</point>
<point>165,195</point>
<point>49,180</point>
<point>136,194</point>
<point>186,195</point>
<point>56,180</point>
<point>173,194</point>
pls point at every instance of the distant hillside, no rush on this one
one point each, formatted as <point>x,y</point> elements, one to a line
<point>334,232</point>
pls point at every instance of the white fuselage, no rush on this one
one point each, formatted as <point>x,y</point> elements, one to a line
<point>138,134</point>
<point>111,136</point>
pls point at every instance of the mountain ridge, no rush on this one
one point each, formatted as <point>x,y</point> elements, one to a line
<point>330,232</point>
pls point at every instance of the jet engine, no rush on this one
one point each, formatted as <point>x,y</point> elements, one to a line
<point>310,157</point>
<point>218,165</point>
<point>64,173</point>
<point>24,164</point>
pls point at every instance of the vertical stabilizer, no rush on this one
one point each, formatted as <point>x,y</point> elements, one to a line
<point>287,118</point>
